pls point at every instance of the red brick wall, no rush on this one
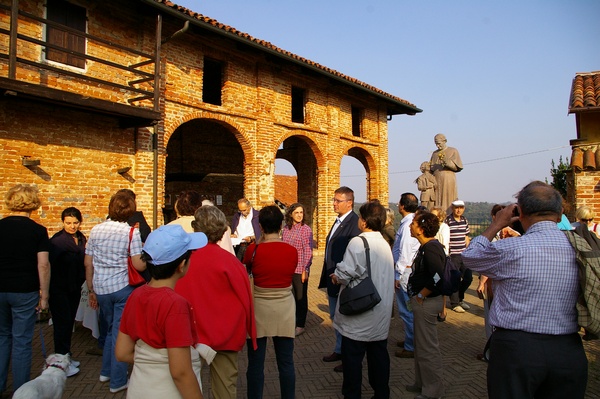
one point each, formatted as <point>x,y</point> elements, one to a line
<point>81,151</point>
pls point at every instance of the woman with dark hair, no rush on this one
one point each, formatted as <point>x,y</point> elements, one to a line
<point>185,207</point>
<point>426,302</point>
<point>24,281</point>
<point>107,278</point>
<point>366,332</point>
<point>300,236</point>
<point>67,252</point>
<point>272,263</point>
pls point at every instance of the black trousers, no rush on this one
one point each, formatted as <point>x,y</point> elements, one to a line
<point>526,365</point>
<point>63,306</point>
<point>301,296</point>
<point>465,281</point>
<point>378,363</point>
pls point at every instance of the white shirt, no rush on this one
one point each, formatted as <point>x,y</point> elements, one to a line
<point>244,227</point>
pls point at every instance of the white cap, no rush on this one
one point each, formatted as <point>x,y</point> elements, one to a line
<point>458,203</point>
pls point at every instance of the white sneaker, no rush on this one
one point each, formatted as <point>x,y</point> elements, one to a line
<point>119,389</point>
<point>72,370</point>
<point>464,306</point>
<point>104,378</point>
<point>458,309</point>
<point>75,363</point>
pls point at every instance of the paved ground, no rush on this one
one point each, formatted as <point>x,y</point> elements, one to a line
<point>461,338</point>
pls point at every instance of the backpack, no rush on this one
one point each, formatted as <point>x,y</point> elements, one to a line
<point>588,262</point>
<point>449,282</point>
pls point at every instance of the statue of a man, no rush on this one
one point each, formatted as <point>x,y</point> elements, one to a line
<point>426,184</point>
<point>445,163</point>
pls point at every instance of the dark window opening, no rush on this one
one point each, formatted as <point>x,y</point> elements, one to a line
<point>298,103</point>
<point>74,17</point>
<point>212,81</point>
<point>357,116</point>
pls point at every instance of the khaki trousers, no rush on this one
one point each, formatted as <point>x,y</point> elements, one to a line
<point>224,374</point>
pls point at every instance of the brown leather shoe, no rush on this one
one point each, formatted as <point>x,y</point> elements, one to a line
<point>405,354</point>
<point>339,368</point>
<point>334,357</point>
<point>400,344</point>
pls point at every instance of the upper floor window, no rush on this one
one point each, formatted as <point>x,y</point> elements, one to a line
<point>212,81</point>
<point>74,17</point>
<point>298,103</point>
<point>357,117</point>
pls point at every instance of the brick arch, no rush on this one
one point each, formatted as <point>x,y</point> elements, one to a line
<point>207,162</point>
<point>238,131</point>
<point>366,159</point>
<point>314,146</point>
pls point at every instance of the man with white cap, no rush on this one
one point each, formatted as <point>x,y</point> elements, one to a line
<point>459,240</point>
<point>157,331</point>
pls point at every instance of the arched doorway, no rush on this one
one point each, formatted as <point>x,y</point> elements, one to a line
<point>298,152</point>
<point>204,155</point>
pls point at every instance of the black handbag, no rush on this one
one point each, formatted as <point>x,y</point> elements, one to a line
<point>363,296</point>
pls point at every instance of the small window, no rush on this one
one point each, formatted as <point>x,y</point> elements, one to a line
<point>298,103</point>
<point>74,17</point>
<point>357,116</point>
<point>212,81</point>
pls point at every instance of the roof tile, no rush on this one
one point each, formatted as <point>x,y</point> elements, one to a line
<point>585,92</point>
<point>270,46</point>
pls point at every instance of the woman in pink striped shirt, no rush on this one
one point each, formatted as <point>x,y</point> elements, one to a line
<point>300,236</point>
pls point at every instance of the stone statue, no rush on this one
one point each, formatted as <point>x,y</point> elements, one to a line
<point>426,184</point>
<point>445,163</point>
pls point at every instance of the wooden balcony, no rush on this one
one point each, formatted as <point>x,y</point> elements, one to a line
<point>106,77</point>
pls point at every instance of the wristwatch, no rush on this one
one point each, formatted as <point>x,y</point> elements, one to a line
<point>420,296</point>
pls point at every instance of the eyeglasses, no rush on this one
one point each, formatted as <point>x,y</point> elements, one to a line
<point>587,220</point>
<point>337,201</point>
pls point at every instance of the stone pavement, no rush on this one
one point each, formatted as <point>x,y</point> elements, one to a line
<point>461,338</point>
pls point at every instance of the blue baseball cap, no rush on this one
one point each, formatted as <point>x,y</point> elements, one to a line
<point>167,243</point>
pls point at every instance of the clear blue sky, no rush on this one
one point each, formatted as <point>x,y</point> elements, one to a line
<point>494,77</point>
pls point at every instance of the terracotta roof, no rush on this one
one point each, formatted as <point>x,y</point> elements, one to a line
<point>585,92</point>
<point>406,106</point>
<point>286,189</point>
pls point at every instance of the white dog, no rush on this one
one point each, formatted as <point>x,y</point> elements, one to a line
<point>51,383</point>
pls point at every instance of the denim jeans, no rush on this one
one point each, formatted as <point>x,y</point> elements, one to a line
<point>17,324</point>
<point>332,300</point>
<point>255,375</point>
<point>408,319</point>
<point>112,306</point>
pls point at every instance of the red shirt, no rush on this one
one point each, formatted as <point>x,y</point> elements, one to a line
<point>274,264</point>
<point>160,317</point>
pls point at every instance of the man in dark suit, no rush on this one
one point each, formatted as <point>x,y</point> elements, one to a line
<point>343,230</point>
<point>245,226</point>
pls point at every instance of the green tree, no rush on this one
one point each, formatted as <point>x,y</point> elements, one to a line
<point>559,176</point>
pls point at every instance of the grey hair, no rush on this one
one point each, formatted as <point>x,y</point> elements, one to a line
<point>540,199</point>
<point>211,221</point>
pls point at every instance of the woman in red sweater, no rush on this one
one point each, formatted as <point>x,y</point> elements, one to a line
<point>272,262</point>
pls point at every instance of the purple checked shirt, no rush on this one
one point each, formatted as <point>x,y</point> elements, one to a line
<point>535,279</point>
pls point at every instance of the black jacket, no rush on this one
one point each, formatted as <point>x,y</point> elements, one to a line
<point>335,249</point>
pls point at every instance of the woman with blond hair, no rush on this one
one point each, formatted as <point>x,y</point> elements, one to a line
<point>585,216</point>
<point>24,281</point>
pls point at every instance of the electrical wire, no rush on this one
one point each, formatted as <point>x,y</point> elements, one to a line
<point>478,162</point>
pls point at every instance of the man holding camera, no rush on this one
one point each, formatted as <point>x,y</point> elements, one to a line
<point>535,350</point>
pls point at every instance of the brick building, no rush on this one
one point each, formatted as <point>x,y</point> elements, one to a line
<point>147,95</point>
<point>583,181</point>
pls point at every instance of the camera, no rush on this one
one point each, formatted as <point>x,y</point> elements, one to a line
<point>517,226</point>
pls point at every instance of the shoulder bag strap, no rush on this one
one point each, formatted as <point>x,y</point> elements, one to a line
<point>130,238</point>
<point>368,255</point>
<point>249,266</point>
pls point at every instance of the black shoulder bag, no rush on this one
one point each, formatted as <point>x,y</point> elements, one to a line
<point>363,296</point>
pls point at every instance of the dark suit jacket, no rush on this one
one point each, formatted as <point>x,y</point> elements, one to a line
<point>335,249</point>
<point>255,226</point>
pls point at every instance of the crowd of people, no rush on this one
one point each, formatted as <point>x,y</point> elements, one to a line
<point>213,288</point>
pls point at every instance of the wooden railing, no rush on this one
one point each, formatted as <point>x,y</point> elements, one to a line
<point>129,76</point>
